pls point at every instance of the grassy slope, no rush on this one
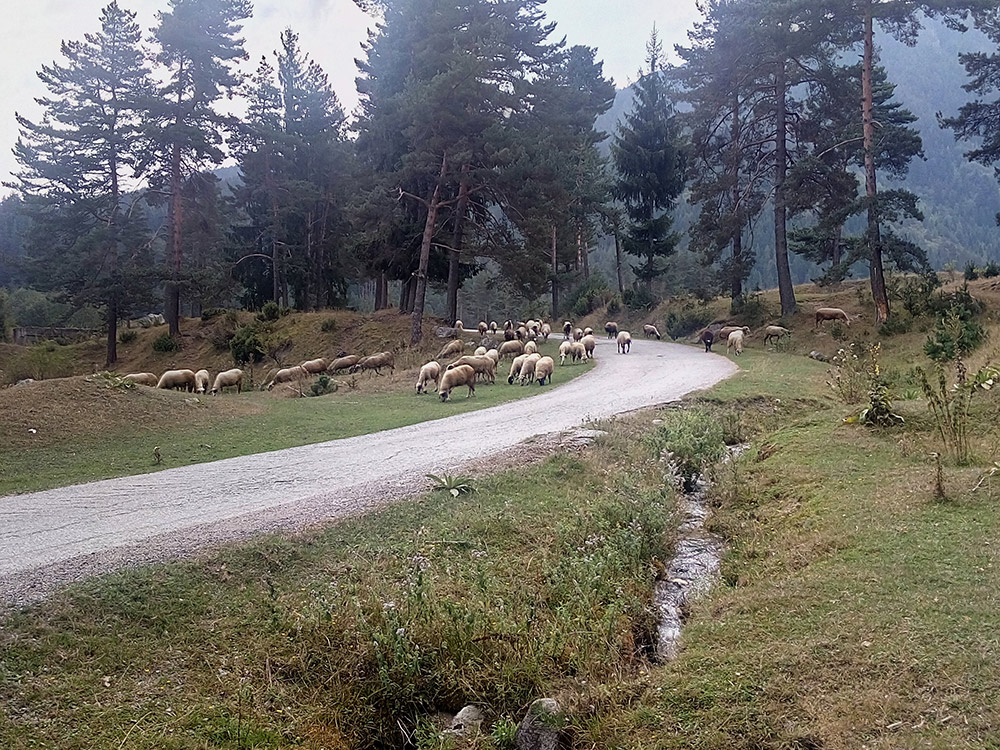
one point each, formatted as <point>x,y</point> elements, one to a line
<point>87,431</point>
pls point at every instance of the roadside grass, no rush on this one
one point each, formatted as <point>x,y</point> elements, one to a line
<point>537,582</point>
<point>212,428</point>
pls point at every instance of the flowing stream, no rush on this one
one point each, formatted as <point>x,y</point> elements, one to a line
<point>693,569</point>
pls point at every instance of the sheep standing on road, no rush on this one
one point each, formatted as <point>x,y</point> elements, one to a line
<point>624,342</point>
<point>707,337</point>
<point>649,330</point>
<point>735,341</point>
<point>546,331</point>
<point>567,329</point>
<point>483,328</point>
<point>455,377</point>
<point>429,373</point>
<point>611,328</point>
<point>589,343</point>
<point>831,313</point>
<point>228,379</point>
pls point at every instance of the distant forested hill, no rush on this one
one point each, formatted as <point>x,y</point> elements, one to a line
<point>959,199</point>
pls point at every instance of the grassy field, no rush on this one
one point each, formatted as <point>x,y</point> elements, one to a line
<point>856,609</point>
<point>86,430</point>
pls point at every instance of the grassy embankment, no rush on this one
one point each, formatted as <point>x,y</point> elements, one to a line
<point>86,430</point>
<point>855,610</point>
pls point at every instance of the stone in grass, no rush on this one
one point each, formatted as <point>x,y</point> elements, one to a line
<point>466,723</point>
<point>539,729</point>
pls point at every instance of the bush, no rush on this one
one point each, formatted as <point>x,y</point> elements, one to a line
<point>687,323</point>
<point>46,359</point>
<point>269,313</point>
<point>639,299</point>
<point>896,325</point>
<point>127,336</point>
<point>992,269</point>
<point>249,345</point>
<point>690,440</point>
<point>954,337</point>
<point>614,305</point>
<point>752,309</point>
<point>323,385</point>
<point>971,274</point>
<point>589,296</point>
<point>212,312</point>
<point>916,292</point>
<point>328,325</point>
<point>166,343</point>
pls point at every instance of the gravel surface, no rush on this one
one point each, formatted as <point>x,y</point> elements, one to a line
<point>57,536</point>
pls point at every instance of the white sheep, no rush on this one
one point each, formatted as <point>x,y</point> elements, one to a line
<point>512,348</point>
<point>201,381</point>
<point>546,331</point>
<point>429,373</point>
<point>775,332</point>
<point>577,334</point>
<point>577,351</point>
<point>831,313</point>
<point>735,341</point>
<point>515,368</point>
<point>494,355</point>
<point>564,350</point>
<point>528,368</point>
<point>177,379</point>
<point>650,330</point>
<point>457,376</point>
<point>480,351</point>
<point>287,375</point>
<point>589,343</point>
<point>483,328</point>
<point>530,348</point>
<point>543,370</point>
<point>228,379</point>
<point>493,326</point>
<point>142,378</point>
<point>588,331</point>
<point>624,342</point>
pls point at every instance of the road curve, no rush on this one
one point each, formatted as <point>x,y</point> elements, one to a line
<point>51,537</point>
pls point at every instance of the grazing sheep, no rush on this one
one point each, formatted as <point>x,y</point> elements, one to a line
<point>546,331</point>
<point>376,362</point>
<point>484,366</point>
<point>527,373</point>
<point>459,326</point>
<point>142,378</point>
<point>480,351</point>
<point>565,348</point>
<point>707,337</point>
<point>831,313</point>
<point>775,332</point>
<point>493,326</point>
<point>201,381</point>
<point>314,366</point>
<point>228,379</point>
<point>577,351</point>
<point>735,341</point>
<point>624,342</point>
<point>494,355</point>
<point>589,342</point>
<point>483,328</point>
<point>177,379</point>
<point>453,378</point>
<point>343,363</point>
<point>567,329</point>
<point>429,373</point>
<point>511,347</point>
<point>611,328</point>
<point>543,370</point>
<point>515,368</point>
<point>530,348</point>
<point>577,334</point>
<point>451,349</point>
<point>287,375</point>
<point>588,331</point>
<point>650,330</point>
<point>723,333</point>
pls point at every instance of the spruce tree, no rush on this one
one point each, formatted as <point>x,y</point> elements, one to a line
<point>87,232</point>
<point>650,169</point>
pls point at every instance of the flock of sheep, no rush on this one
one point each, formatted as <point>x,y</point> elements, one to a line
<point>734,336</point>
<point>189,380</point>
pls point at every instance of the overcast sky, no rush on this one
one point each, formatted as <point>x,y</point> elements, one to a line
<point>330,31</point>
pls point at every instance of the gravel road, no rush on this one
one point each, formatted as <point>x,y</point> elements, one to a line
<point>53,537</point>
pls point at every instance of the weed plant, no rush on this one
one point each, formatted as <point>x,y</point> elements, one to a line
<point>689,441</point>
<point>165,343</point>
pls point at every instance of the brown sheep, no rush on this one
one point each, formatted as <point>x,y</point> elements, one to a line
<point>775,332</point>
<point>287,375</point>
<point>650,330</point>
<point>707,337</point>
<point>343,363</point>
<point>831,313</point>
<point>611,328</point>
<point>484,366</point>
<point>455,377</point>
<point>511,347</point>
<point>314,366</point>
<point>177,379</point>
<point>376,362</point>
<point>451,349</point>
<point>142,378</point>
<point>228,379</point>
<point>723,333</point>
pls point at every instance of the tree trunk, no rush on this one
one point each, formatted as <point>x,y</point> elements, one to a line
<point>455,254</point>
<point>555,278</point>
<point>618,262</point>
<point>112,319</point>
<point>417,331</point>
<point>785,290</point>
<point>736,282</point>
<point>172,308</point>
<point>584,252</point>
<point>873,235</point>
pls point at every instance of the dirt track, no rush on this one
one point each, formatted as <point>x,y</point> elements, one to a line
<point>52,537</point>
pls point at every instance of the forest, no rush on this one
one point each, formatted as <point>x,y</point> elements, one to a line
<point>487,163</point>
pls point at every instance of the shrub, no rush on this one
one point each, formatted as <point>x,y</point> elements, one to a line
<point>127,336</point>
<point>971,274</point>
<point>839,332</point>
<point>879,412</point>
<point>690,440</point>
<point>270,312</point>
<point>915,292</point>
<point>849,376</point>
<point>954,337</point>
<point>166,343</point>
<point>248,345</point>
<point>687,323</point>
<point>328,325</point>
<point>639,299</point>
<point>992,269</point>
<point>212,312</point>
<point>46,359</point>
<point>323,385</point>
<point>950,404</point>
<point>896,325</point>
<point>589,296</point>
<point>615,305</point>
<point>752,309</point>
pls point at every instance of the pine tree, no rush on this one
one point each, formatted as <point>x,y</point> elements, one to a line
<point>198,47</point>
<point>650,167</point>
<point>73,163</point>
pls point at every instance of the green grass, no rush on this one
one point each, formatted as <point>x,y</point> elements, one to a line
<point>282,423</point>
